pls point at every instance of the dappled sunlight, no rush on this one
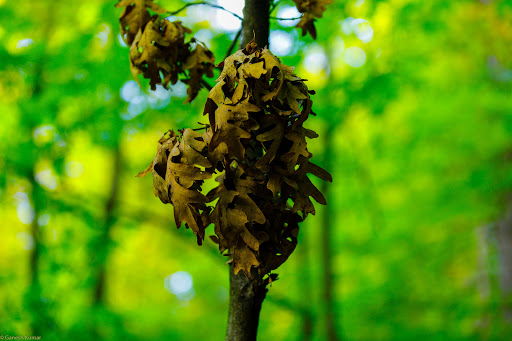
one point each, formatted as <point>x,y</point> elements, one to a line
<point>288,12</point>
<point>104,35</point>
<point>281,43</point>
<point>74,169</point>
<point>24,209</point>
<point>130,90</point>
<point>412,108</point>
<point>316,66</point>
<point>361,28</point>
<point>226,21</point>
<point>44,134</point>
<point>180,284</point>
<point>355,56</point>
<point>46,179</point>
<point>24,43</point>
<point>26,240</point>
<point>43,219</point>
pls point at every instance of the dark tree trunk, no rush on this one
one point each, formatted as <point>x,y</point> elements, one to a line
<point>255,23</point>
<point>245,299</point>
<point>246,295</point>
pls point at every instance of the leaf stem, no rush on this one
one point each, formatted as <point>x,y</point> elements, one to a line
<point>203,3</point>
<point>202,128</point>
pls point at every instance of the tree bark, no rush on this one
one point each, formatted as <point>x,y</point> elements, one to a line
<point>246,295</point>
<point>245,299</point>
<point>256,22</point>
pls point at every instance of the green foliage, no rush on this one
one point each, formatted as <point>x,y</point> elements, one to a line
<point>419,150</point>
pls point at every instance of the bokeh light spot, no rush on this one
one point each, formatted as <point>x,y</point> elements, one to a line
<point>280,43</point>
<point>74,169</point>
<point>178,90</point>
<point>159,98</point>
<point>180,284</point>
<point>137,106</point>
<point>121,41</point>
<point>26,240</point>
<point>288,12</point>
<point>355,56</point>
<point>103,35</point>
<point>315,61</point>
<point>44,134</point>
<point>43,219</point>
<point>24,43</point>
<point>24,210</point>
<point>204,36</point>
<point>227,21</point>
<point>46,179</point>
<point>362,29</point>
<point>130,90</point>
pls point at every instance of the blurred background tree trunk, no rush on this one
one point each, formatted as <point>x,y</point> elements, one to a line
<point>305,288</point>
<point>504,239</point>
<point>104,240</point>
<point>40,319</point>
<point>330,313</point>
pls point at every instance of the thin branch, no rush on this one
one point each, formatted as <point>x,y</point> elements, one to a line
<point>283,19</point>
<point>233,43</point>
<point>206,84</point>
<point>206,126</point>
<point>273,6</point>
<point>203,3</point>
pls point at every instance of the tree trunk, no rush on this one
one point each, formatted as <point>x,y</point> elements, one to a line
<point>304,268</point>
<point>246,295</point>
<point>34,296</point>
<point>38,195</point>
<point>504,239</point>
<point>245,299</point>
<point>256,22</point>
<point>104,238</point>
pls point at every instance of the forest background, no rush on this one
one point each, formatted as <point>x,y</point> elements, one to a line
<point>414,113</point>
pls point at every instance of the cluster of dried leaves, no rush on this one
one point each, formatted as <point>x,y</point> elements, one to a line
<point>158,49</point>
<point>258,144</point>
<point>311,10</point>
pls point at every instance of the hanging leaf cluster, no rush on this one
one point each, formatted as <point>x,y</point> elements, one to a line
<point>310,9</point>
<point>257,144</point>
<point>158,50</point>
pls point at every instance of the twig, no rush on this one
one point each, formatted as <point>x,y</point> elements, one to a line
<point>203,3</point>
<point>202,128</point>
<point>233,43</point>
<point>282,19</point>
<point>206,85</point>
<point>273,6</point>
